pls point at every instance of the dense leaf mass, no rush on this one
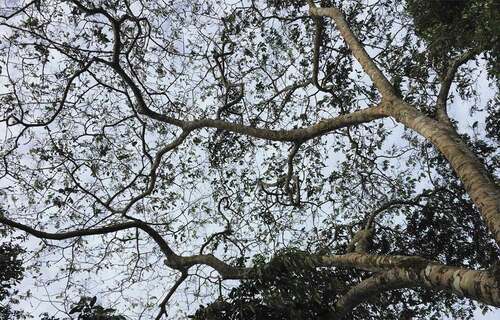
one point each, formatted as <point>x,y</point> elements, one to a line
<point>452,26</point>
<point>11,274</point>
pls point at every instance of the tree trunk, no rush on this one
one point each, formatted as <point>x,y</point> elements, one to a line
<point>480,186</point>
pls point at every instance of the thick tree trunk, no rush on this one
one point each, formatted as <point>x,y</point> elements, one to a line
<point>482,286</point>
<point>479,185</point>
<point>398,272</point>
<point>484,192</point>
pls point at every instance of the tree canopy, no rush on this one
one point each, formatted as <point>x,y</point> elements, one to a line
<point>260,159</point>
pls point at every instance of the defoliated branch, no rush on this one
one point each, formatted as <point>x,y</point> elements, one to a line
<point>20,10</point>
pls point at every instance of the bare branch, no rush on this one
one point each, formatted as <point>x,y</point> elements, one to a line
<point>323,127</point>
<point>89,232</point>
<point>22,9</point>
<point>163,304</point>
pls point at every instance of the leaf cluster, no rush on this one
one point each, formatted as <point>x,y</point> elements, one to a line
<point>452,26</point>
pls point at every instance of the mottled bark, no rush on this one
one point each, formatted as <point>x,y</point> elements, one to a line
<point>482,286</point>
<point>357,49</point>
<point>484,192</point>
<point>397,271</point>
<point>391,272</point>
<point>361,240</point>
<point>371,262</point>
<point>478,183</point>
<point>369,288</point>
<point>478,285</point>
<point>323,127</point>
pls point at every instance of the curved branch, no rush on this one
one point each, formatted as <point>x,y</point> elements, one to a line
<point>318,35</point>
<point>154,167</point>
<point>389,204</point>
<point>165,248</point>
<point>61,103</point>
<point>480,285</point>
<point>483,286</point>
<point>366,289</point>
<point>22,9</point>
<point>481,187</point>
<point>297,135</point>
<point>441,104</point>
<point>225,270</point>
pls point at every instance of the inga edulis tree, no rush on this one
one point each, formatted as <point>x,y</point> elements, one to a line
<point>306,149</point>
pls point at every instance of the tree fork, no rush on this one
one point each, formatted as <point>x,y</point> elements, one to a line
<point>478,183</point>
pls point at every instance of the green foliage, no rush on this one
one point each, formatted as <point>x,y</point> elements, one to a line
<point>77,161</point>
<point>289,287</point>
<point>280,4</point>
<point>286,287</point>
<point>87,309</point>
<point>11,266</point>
<point>453,26</point>
<point>493,119</point>
<point>461,232</point>
<point>11,274</point>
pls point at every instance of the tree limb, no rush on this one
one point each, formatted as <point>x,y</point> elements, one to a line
<point>483,286</point>
<point>366,289</point>
<point>446,81</point>
<point>358,51</point>
<point>165,248</point>
<point>485,193</point>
